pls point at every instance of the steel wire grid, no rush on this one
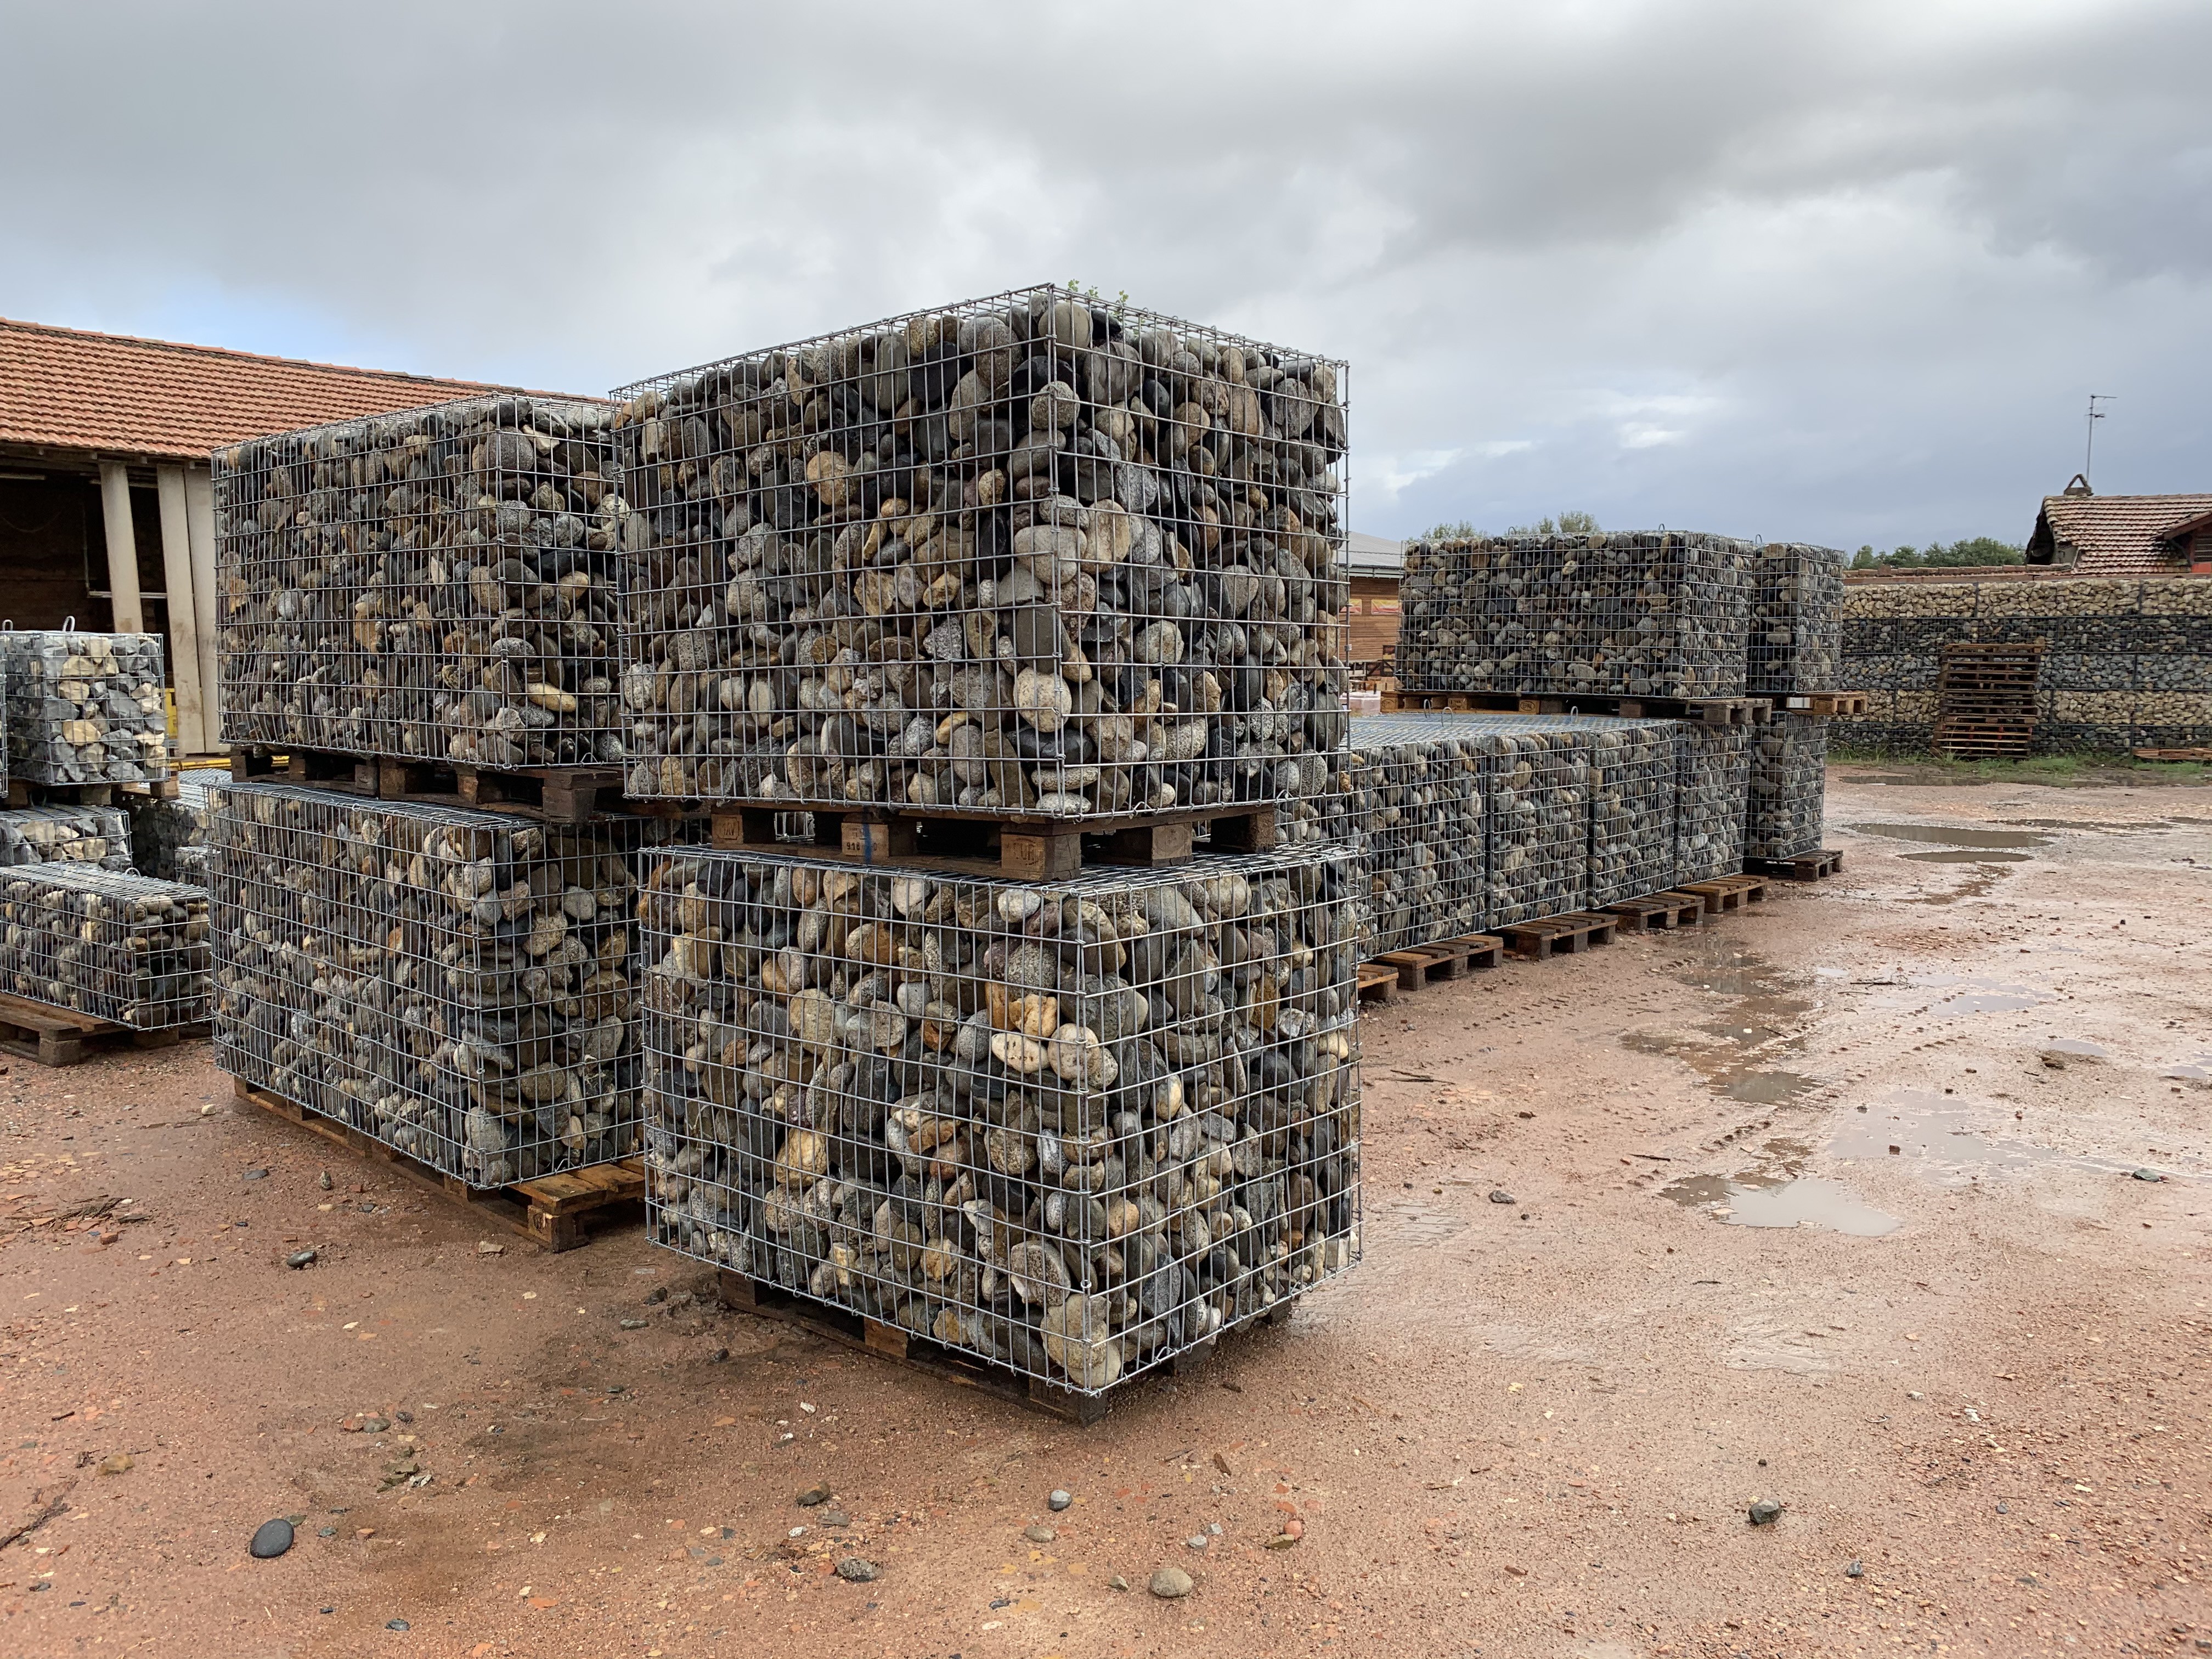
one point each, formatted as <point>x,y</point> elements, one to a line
<point>85,707</point>
<point>1635,778</point>
<point>1417,792</point>
<point>1033,556</point>
<point>439,583</point>
<point>459,984</point>
<point>110,943</point>
<point>1073,1128</point>
<point>1795,641</point>
<point>1714,800</point>
<point>164,832</point>
<point>96,836</point>
<point>1657,613</point>
<point>1787,805</point>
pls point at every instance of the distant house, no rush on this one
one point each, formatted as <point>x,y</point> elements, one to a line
<point>2091,535</point>
<point>1376,565</point>
<point>106,513</point>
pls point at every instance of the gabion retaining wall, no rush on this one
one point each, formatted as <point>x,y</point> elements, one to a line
<point>1660,614</point>
<point>1073,1128</point>
<point>110,943</point>
<point>440,584</point>
<point>2127,661</point>
<point>85,707</point>
<point>1787,805</point>
<point>459,984</point>
<point>1796,640</point>
<point>95,837</point>
<point>1713,801</point>
<point>1032,555</point>
<point>168,838</point>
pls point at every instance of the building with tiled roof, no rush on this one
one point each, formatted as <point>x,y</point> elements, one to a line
<point>2114,535</point>
<point>106,509</point>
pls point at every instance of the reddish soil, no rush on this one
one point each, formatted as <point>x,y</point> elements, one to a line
<point>1525,1428</point>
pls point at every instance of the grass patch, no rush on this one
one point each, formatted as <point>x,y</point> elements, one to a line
<point>2073,767</point>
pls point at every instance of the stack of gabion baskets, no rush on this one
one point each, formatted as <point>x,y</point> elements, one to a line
<point>1641,614</point>
<point>169,837</point>
<point>1073,1126</point>
<point>109,944</point>
<point>1796,649</point>
<point>97,836</point>
<point>1032,557</point>
<point>435,585</point>
<point>85,708</point>
<point>459,984</point>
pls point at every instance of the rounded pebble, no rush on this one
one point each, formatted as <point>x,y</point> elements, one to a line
<point>854,1570</point>
<point>1171,1584</point>
<point>271,1540</point>
<point>1059,1500</point>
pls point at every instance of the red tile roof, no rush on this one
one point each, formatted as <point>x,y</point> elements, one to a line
<point>2118,535</point>
<point>63,388</point>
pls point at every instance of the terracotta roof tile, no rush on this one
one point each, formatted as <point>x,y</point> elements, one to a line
<point>2118,535</point>
<point>63,388</point>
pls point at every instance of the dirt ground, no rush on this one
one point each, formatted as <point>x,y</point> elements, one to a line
<point>1834,1202</point>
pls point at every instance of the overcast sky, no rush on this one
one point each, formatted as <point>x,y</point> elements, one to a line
<point>1841,273</point>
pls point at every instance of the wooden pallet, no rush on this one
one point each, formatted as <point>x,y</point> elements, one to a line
<point>62,1037</point>
<point>1561,935</point>
<point>1378,985</point>
<point>1026,849</point>
<point>1726,893</point>
<point>1657,910</point>
<point>555,794</point>
<point>548,1209</point>
<point>1826,704</point>
<point>1443,960</point>
<point>901,1347</point>
<point>1712,711</point>
<point>2172,754</point>
<point>23,791</point>
<point>1985,699</point>
<point>1800,866</point>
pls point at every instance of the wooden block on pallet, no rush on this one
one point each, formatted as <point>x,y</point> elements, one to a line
<point>1378,983</point>
<point>1801,867</point>
<point>1658,910</point>
<point>1567,934</point>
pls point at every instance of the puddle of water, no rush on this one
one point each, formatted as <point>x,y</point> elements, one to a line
<point>1943,836</point>
<point>2096,823</point>
<point>1985,876</point>
<point>1968,995</point>
<point>1927,1133</point>
<point>1766,1088</point>
<point>1803,1202</point>
<point>1982,857</point>
<point>2196,1069</point>
<point>2076,1046</point>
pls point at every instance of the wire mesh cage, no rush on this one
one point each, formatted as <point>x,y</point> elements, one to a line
<point>167,835</point>
<point>1796,619</point>
<point>1788,802</point>
<point>1657,613</point>
<point>459,984</point>
<point>1073,1128</point>
<point>1031,557</point>
<point>85,707</point>
<point>1713,801</point>
<point>98,837</point>
<point>1416,788</point>
<point>110,944</point>
<point>1635,777</point>
<point>440,584</point>
<point>1537,788</point>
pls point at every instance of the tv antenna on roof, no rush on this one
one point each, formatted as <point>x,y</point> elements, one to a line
<point>2089,449</point>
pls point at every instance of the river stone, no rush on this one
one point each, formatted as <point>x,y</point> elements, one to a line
<point>1079,525</point>
<point>439,583</point>
<point>1074,1199</point>
<point>97,837</point>
<point>1787,788</point>
<point>110,943</point>
<point>84,707</point>
<point>421,974</point>
<point>271,1539</point>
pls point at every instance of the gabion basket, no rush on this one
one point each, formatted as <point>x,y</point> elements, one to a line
<point>1713,802</point>
<point>168,836</point>
<point>1635,778</point>
<point>457,984</point>
<point>1787,805</point>
<point>1030,556</point>
<point>1537,787</point>
<point>109,944</point>
<point>1796,619</point>
<point>1072,1128</point>
<point>1659,614</point>
<point>1416,790</point>
<point>437,584</point>
<point>85,707</point>
<point>98,837</point>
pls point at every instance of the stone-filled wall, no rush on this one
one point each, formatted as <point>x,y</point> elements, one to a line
<point>1788,788</point>
<point>1073,1126</point>
<point>1033,554</point>
<point>111,943</point>
<point>84,707</point>
<point>99,837</point>
<point>2128,661</point>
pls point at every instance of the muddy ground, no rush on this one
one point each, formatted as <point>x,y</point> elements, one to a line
<point>1833,1203</point>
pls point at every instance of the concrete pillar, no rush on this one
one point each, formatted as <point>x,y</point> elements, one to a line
<point>121,548</point>
<point>199,521</point>
<point>184,630</point>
